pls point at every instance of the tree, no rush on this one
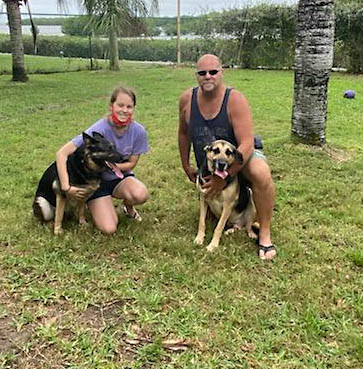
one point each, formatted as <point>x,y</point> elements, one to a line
<point>314,60</point>
<point>111,17</point>
<point>16,39</point>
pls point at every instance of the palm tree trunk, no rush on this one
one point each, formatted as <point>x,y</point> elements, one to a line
<point>314,60</point>
<point>114,60</point>
<point>16,40</point>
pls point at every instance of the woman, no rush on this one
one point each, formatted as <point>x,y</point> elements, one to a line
<point>130,139</point>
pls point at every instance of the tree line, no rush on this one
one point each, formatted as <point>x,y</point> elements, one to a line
<point>150,26</point>
<point>250,37</point>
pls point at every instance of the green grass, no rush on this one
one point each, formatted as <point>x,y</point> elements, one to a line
<point>47,64</point>
<point>84,300</point>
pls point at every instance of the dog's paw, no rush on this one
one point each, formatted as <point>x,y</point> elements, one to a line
<point>82,222</point>
<point>211,247</point>
<point>58,231</point>
<point>232,230</point>
<point>252,234</point>
<point>199,239</point>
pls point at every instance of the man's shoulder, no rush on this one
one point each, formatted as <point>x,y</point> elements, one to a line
<point>236,97</point>
<point>235,94</point>
<point>186,96</point>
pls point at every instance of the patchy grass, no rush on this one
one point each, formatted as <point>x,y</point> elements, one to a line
<point>148,297</point>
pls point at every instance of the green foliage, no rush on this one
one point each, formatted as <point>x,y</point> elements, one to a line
<point>137,49</point>
<point>188,25</point>
<point>349,31</point>
<point>263,35</point>
<point>77,26</point>
<point>53,21</point>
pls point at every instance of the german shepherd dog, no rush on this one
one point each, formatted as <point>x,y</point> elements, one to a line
<point>234,205</point>
<point>84,168</point>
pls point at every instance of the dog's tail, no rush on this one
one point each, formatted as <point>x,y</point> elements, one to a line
<point>42,209</point>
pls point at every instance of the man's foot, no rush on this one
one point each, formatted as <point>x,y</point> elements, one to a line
<point>132,213</point>
<point>266,252</point>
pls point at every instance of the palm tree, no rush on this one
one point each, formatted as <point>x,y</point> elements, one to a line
<point>16,39</point>
<point>314,60</point>
<point>112,16</point>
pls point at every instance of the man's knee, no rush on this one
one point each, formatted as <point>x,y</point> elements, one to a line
<point>258,172</point>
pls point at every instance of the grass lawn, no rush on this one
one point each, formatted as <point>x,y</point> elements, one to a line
<point>148,297</point>
<point>46,64</point>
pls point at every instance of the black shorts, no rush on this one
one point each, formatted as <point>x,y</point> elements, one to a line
<point>107,187</point>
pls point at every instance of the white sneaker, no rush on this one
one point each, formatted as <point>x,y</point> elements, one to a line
<point>134,215</point>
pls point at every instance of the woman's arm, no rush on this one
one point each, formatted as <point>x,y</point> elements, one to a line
<point>61,160</point>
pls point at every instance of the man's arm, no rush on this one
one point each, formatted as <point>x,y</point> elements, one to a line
<point>183,136</point>
<point>241,117</point>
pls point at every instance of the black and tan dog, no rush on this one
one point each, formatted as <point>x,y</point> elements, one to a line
<point>84,168</point>
<point>234,205</point>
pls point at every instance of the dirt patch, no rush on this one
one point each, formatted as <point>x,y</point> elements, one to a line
<point>338,155</point>
<point>97,317</point>
<point>41,357</point>
<point>12,341</point>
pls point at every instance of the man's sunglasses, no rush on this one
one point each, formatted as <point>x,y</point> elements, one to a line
<point>212,72</point>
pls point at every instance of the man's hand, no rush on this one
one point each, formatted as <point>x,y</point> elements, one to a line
<point>191,173</point>
<point>77,193</point>
<point>214,185</point>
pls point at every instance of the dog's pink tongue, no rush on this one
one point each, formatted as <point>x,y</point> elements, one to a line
<point>115,169</point>
<point>223,174</point>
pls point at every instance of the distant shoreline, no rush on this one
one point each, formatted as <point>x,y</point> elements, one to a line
<point>43,30</point>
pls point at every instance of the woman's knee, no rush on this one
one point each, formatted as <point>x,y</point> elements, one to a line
<point>137,195</point>
<point>108,228</point>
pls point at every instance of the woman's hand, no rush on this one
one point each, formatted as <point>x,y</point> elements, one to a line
<point>77,193</point>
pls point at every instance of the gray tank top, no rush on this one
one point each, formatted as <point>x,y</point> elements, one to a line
<point>203,131</point>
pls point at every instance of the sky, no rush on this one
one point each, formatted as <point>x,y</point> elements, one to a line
<point>168,8</point>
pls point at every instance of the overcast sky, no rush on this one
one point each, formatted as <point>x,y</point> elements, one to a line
<point>167,7</point>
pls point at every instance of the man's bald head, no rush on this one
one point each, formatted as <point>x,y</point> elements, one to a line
<point>209,58</point>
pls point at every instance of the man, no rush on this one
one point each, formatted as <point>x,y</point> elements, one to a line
<point>210,112</point>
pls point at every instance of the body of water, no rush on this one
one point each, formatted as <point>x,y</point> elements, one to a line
<point>57,31</point>
<point>43,30</point>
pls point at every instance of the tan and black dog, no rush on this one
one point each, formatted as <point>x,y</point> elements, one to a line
<point>226,206</point>
<point>84,168</point>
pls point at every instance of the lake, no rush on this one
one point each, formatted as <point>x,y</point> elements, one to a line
<point>43,30</point>
<point>57,31</point>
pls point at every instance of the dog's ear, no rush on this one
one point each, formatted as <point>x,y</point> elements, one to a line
<point>87,139</point>
<point>97,135</point>
<point>207,147</point>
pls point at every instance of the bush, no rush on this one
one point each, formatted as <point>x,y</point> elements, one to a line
<point>262,35</point>
<point>349,31</point>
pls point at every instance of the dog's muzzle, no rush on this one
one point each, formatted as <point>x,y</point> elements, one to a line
<point>220,168</point>
<point>220,165</point>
